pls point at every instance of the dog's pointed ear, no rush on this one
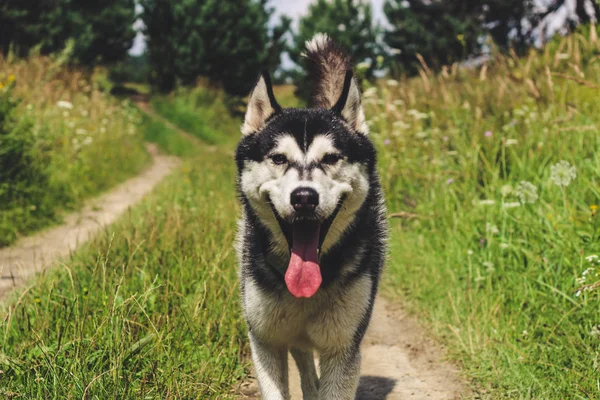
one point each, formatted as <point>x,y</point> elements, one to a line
<point>261,105</point>
<point>349,105</point>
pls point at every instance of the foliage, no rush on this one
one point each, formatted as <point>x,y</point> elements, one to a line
<point>199,111</point>
<point>147,310</point>
<point>225,40</point>
<point>103,30</point>
<point>442,32</point>
<point>349,23</point>
<point>61,141</point>
<point>493,176</point>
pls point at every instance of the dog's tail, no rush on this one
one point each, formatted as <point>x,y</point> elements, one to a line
<point>327,66</point>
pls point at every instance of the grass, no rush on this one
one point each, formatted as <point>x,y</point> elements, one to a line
<point>63,140</point>
<point>487,247</point>
<point>201,112</point>
<point>149,309</point>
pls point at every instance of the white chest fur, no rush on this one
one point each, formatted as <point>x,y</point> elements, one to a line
<point>326,321</point>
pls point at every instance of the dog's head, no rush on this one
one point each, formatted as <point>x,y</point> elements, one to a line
<point>305,173</point>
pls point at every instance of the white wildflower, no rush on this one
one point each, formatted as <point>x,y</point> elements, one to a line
<point>595,332</point>
<point>511,205</point>
<point>470,252</point>
<point>491,229</point>
<point>87,141</point>
<point>80,131</point>
<point>341,27</point>
<point>391,82</point>
<point>511,142</point>
<point>527,192</point>
<point>363,65</point>
<point>504,245</point>
<point>563,173</point>
<point>64,104</point>
<point>395,52</point>
<point>487,202</point>
<point>506,190</point>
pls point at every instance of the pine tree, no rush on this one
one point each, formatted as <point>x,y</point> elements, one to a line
<point>349,23</point>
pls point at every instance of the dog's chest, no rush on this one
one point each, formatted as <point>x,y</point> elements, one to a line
<point>327,320</point>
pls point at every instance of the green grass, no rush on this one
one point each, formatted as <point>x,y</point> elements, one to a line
<point>149,309</point>
<point>200,112</point>
<point>168,140</point>
<point>62,140</point>
<point>492,270</point>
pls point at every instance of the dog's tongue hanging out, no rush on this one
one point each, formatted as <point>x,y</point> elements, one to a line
<point>303,276</point>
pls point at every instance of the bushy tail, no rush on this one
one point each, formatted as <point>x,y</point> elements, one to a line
<point>327,67</point>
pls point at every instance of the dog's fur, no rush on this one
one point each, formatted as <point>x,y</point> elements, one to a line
<point>352,251</point>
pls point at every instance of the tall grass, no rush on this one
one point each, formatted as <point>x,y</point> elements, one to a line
<point>493,176</point>
<point>72,139</point>
<point>201,112</point>
<point>147,310</point>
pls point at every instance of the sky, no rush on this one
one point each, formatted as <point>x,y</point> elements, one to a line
<point>292,8</point>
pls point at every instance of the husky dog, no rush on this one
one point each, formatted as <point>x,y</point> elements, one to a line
<point>312,236</point>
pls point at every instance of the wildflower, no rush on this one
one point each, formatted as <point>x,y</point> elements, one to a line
<point>491,229</point>
<point>506,190</point>
<point>387,142</point>
<point>445,138</point>
<point>488,134</point>
<point>511,142</point>
<point>487,202</point>
<point>80,132</point>
<point>504,245</point>
<point>11,78</point>
<point>450,181</point>
<point>64,104</point>
<point>527,192</point>
<point>563,173</point>
<point>391,82</point>
<point>395,52</point>
<point>398,102</point>
<point>470,252</point>
<point>595,332</point>
<point>87,141</point>
<point>594,210</point>
<point>370,92</point>
<point>489,266</point>
<point>511,205</point>
<point>363,65</point>
<point>341,27</point>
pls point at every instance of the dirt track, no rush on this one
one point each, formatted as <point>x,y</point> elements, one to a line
<point>33,254</point>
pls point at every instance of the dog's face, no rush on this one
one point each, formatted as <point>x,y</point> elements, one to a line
<point>304,173</point>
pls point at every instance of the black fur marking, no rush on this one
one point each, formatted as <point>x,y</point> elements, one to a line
<point>341,103</point>
<point>267,77</point>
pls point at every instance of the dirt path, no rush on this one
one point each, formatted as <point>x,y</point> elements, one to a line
<point>398,362</point>
<point>35,253</point>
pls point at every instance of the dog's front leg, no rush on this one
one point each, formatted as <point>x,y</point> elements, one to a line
<point>308,373</point>
<point>340,373</point>
<point>271,367</point>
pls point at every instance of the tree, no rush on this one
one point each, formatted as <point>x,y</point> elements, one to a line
<point>349,23</point>
<point>228,41</point>
<point>442,32</point>
<point>102,30</point>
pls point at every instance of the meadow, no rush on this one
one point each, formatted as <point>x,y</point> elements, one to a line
<point>62,140</point>
<point>491,177</point>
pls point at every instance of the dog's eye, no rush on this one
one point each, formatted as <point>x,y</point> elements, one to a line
<point>279,159</point>
<point>331,158</point>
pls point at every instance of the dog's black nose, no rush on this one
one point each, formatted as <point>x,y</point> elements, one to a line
<point>304,199</point>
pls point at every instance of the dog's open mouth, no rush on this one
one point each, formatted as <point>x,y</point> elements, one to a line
<point>305,236</point>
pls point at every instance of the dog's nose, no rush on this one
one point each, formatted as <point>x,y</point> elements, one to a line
<point>304,199</point>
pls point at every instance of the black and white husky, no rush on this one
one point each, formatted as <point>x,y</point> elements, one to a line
<point>312,236</point>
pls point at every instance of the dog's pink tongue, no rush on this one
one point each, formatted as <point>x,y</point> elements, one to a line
<point>303,275</point>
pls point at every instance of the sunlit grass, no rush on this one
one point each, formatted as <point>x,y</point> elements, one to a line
<point>79,141</point>
<point>494,176</point>
<point>150,308</point>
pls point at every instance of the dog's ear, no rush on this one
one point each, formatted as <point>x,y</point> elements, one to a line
<point>349,105</point>
<point>261,105</point>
